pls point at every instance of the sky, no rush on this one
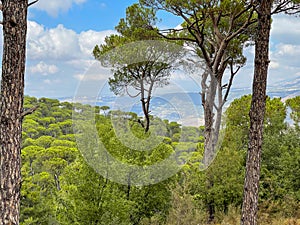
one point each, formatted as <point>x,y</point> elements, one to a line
<point>62,34</point>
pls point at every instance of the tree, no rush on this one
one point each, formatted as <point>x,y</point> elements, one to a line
<point>11,107</point>
<point>279,179</point>
<point>42,177</point>
<point>238,121</point>
<point>258,104</point>
<point>138,63</point>
<point>217,32</point>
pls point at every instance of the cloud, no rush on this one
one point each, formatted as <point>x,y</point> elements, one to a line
<point>288,49</point>
<point>284,62</point>
<point>274,65</point>
<point>79,76</point>
<point>285,55</point>
<point>81,63</point>
<point>61,43</point>
<point>88,40</point>
<point>54,7</point>
<point>52,81</point>
<point>95,72</point>
<point>285,29</point>
<point>67,56</point>
<point>57,43</point>
<point>43,69</point>
<point>63,53</point>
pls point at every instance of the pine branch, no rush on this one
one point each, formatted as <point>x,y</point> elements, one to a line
<point>31,3</point>
<point>28,111</point>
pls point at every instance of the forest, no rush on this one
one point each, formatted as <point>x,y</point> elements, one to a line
<point>60,187</point>
<point>78,163</point>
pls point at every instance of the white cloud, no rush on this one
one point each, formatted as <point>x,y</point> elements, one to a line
<point>54,7</point>
<point>285,55</point>
<point>88,40</point>
<point>95,72</point>
<point>81,63</point>
<point>285,29</point>
<point>79,76</point>
<point>35,29</point>
<point>288,49</point>
<point>63,53</point>
<point>43,69</point>
<point>274,65</point>
<point>60,43</point>
<point>92,77</point>
<point>70,55</point>
<point>52,81</point>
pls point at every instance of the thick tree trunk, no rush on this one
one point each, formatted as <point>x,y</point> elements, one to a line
<point>257,111</point>
<point>11,106</point>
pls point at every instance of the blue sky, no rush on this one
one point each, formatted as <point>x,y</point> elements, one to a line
<point>62,34</point>
<point>88,15</point>
<point>80,16</point>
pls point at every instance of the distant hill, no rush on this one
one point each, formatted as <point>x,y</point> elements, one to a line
<point>286,89</point>
<point>185,107</point>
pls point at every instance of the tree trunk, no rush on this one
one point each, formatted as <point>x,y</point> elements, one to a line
<point>257,111</point>
<point>146,104</point>
<point>212,124</point>
<point>11,106</point>
<point>212,119</point>
<point>210,202</point>
<point>146,124</point>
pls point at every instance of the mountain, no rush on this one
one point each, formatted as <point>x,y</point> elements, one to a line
<point>286,89</point>
<point>184,108</point>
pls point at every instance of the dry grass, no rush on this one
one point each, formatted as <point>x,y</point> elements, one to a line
<point>184,212</point>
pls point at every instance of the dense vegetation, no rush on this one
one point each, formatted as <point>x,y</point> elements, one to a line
<point>59,186</point>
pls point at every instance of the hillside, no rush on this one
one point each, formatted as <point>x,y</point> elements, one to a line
<point>67,180</point>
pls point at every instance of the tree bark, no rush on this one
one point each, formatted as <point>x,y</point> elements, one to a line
<point>212,123</point>
<point>212,118</point>
<point>146,103</point>
<point>145,107</point>
<point>257,111</point>
<point>11,108</point>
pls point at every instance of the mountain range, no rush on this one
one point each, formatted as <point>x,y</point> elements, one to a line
<point>184,108</point>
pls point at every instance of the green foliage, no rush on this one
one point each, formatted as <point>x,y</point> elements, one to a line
<point>90,198</point>
<point>137,23</point>
<point>132,28</point>
<point>279,157</point>
<point>184,208</point>
<point>279,173</point>
<point>59,186</point>
<point>139,58</point>
<point>208,23</point>
<point>294,104</point>
<point>237,116</point>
